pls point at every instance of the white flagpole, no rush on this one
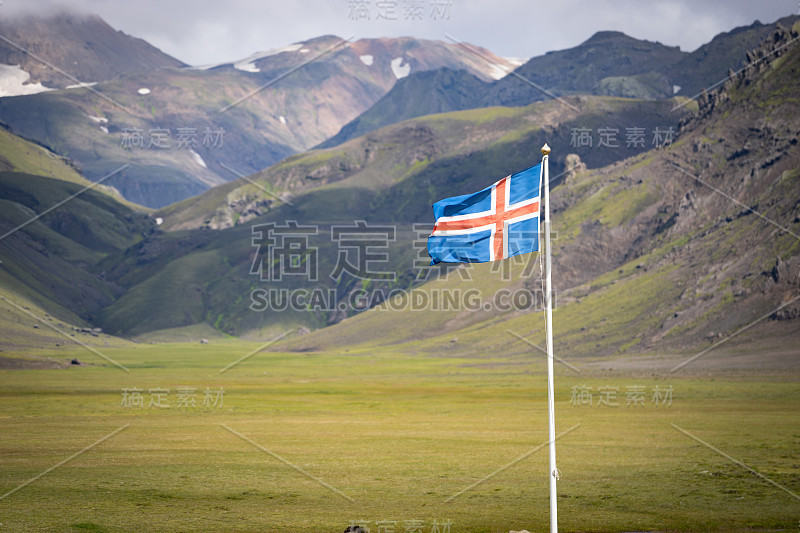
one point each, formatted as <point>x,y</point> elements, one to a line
<point>549,323</point>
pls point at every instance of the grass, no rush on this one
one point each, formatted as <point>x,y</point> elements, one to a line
<point>179,280</point>
<point>50,260</point>
<point>24,156</point>
<point>587,328</point>
<point>397,434</point>
<point>19,155</point>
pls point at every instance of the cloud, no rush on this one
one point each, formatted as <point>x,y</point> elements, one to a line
<point>206,31</point>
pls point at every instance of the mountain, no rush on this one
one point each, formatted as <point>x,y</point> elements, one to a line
<point>647,257</point>
<point>423,93</point>
<point>656,249</point>
<point>21,156</point>
<point>670,250</point>
<point>62,50</point>
<point>710,63</point>
<point>47,259</point>
<point>466,146</point>
<point>182,131</point>
<point>609,63</point>
<point>586,69</point>
<point>46,262</point>
<point>385,59</point>
<point>389,177</point>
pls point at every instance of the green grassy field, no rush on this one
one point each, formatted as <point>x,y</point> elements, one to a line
<point>317,441</point>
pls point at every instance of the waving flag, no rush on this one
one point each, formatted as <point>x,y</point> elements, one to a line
<point>500,221</point>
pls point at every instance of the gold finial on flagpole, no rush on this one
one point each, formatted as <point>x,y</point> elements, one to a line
<point>546,149</point>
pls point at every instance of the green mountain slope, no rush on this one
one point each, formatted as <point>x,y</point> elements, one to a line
<point>378,176</point>
<point>22,156</point>
<point>19,155</point>
<point>50,241</point>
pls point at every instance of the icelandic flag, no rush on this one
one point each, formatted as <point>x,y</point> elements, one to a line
<point>500,221</point>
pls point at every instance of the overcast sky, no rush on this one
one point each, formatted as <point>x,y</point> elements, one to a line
<point>209,31</point>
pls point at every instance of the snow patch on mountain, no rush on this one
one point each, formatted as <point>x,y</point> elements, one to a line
<point>248,64</point>
<point>12,82</point>
<point>367,59</point>
<point>198,159</point>
<point>206,67</point>
<point>498,71</point>
<point>516,61</point>
<point>81,85</point>
<point>399,69</point>
<point>101,121</point>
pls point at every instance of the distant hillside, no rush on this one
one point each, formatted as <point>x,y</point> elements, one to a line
<point>82,46</point>
<point>423,93</point>
<point>710,63</point>
<point>46,262</point>
<point>589,67</point>
<point>19,155</point>
<point>458,149</point>
<point>183,131</point>
<point>609,63</point>
<point>386,59</point>
<point>49,260</point>
<point>578,70</point>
